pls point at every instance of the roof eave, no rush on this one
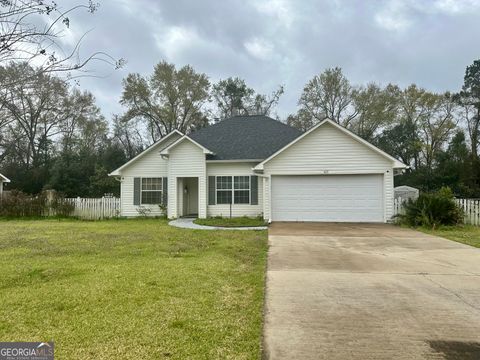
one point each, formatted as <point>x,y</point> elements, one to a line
<point>117,172</point>
<point>166,151</point>
<point>396,163</point>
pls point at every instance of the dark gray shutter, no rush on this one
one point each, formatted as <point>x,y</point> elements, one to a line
<point>136,191</point>
<point>211,190</point>
<point>254,190</point>
<point>165,191</point>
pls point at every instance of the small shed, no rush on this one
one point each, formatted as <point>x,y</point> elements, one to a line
<point>3,180</point>
<point>406,192</point>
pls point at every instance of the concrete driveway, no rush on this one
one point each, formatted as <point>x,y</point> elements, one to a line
<point>370,291</point>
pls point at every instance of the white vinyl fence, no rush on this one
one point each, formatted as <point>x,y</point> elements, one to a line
<point>471,210</point>
<point>398,206</point>
<point>470,207</point>
<point>95,209</point>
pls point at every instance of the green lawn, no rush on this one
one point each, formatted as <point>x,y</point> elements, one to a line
<point>469,235</point>
<point>243,221</point>
<point>132,289</point>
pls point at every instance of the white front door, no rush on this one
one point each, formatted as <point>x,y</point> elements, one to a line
<point>336,198</point>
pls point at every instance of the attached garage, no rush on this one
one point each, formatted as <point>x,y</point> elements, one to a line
<point>337,198</point>
<point>329,174</point>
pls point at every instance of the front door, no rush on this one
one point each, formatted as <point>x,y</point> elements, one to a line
<point>190,196</point>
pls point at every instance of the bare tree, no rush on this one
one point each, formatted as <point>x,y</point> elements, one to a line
<point>169,99</point>
<point>232,96</point>
<point>329,94</point>
<point>127,133</point>
<point>38,112</point>
<point>437,127</point>
<point>376,108</point>
<point>30,31</point>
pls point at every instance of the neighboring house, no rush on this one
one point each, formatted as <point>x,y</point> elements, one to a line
<point>3,180</point>
<point>255,165</point>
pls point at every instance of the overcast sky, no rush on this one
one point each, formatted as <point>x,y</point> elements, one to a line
<point>286,42</point>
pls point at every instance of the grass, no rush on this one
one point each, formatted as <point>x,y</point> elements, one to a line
<point>469,235</point>
<point>132,289</point>
<point>243,221</point>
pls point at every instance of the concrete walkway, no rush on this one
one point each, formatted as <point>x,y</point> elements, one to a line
<point>187,223</point>
<point>369,291</point>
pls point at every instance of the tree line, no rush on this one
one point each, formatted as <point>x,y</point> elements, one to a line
<point>52,135</point>
<point>436,134</point>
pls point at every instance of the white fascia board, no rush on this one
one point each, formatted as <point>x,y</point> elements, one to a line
<point>4,179</point>
<point>117,171</point>
<point>396,164</point>
<point>234,161</point>
<point>185,137</point>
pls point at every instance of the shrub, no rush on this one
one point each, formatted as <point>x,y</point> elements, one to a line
<point>19,204</point>
<point>164,210</point>
<point>60,206</point>
<point>143,211</point>
<point>432,210</point>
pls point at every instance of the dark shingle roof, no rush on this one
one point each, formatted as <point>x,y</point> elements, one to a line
<point>245,137</point>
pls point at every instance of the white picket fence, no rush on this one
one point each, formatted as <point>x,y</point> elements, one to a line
<point>471,210</point>
<point>398,206</point>
<point>470,207</point>
<point>95,208</point>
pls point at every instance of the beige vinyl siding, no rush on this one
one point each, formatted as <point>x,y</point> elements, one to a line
<point>328,150</point>
<point>149,165</point>
<point>235,169</point>
<point>186,160</point>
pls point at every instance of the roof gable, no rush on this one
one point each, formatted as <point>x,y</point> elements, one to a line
<point>182,139</point>
<point>154,146</point>
<point>253,137</point>
<point>396,163</point>
<point>3,178</point>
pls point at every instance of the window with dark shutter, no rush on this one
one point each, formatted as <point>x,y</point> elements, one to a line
<point>235,190</point>
<point>165,191</point>
<point>136,191</point>
<point>254,190</point>
<point>211,190</point>
<point>151,191</point>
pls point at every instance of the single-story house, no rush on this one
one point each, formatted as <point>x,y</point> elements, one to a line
<point>3,180</point>
<point>258,166</point>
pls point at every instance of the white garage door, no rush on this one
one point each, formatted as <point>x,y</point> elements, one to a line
<point>355,198</point>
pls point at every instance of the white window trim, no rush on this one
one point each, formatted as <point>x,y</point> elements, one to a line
<point>249,190</point>
<point>142,191</point>
<point>233,189</point>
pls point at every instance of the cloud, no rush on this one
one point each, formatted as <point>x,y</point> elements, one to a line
<point>259,48</point>
<point>394,16</point>
<point>273,42</point>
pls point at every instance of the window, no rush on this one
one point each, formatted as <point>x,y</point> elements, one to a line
<point>224,189</point>
<point>239,192</point>
<point>152,190</point>
<point>242,190</point>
